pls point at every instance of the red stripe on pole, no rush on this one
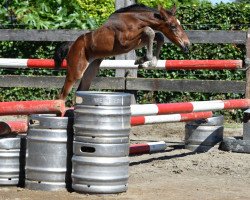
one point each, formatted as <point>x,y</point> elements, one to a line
<point>139,149</point>
<point>43,63</point>
<point>18,126</point>
<point>174,108</point>
<point>64,64</point>
<point>141,120</point>
<point>237,103</point>
<point>195,115</point>
<point>32,107</point>
<point>137,120</point>
<point>203,64</point>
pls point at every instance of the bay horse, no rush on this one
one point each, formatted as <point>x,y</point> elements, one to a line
<point>126,29</point>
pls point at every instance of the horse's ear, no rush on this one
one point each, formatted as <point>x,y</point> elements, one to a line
<point>162,11</point>
<point>160,7</point>
<point>173,10</point>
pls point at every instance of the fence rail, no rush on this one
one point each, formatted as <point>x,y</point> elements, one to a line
<point>195,36</point>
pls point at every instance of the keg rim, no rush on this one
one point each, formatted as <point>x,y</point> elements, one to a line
<point>97,98</point>
<point>216,120</point>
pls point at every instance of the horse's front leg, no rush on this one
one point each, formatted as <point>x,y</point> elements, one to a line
<point>148,36</point>
<point>159,38</point>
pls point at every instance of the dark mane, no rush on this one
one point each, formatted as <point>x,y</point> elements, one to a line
<point>136,8</point>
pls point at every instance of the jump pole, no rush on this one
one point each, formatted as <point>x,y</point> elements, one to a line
<point>22,126</point>
<point>129,64</point>
<point>16,127</point>
<point>183,117</point>
<point>186,107</point>
<point>32,107</point>
<point>150,147</point>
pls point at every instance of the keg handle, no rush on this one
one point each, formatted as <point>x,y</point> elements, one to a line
<point>85,149</point>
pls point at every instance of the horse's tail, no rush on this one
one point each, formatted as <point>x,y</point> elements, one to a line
<point>61,52</point>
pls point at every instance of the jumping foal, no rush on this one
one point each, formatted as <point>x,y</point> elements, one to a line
<point>126,29</point>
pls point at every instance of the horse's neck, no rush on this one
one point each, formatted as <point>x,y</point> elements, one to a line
<point>149,20</point>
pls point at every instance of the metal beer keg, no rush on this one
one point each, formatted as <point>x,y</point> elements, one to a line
<point>101,142</point>
<point>49,152</point>
<point>202,135</point>
<point>12,160</point>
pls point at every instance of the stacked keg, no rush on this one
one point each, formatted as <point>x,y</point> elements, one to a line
<point>202,135</point>
<point>12,156</point>
<point>101,142</point>
<point>49,152</point>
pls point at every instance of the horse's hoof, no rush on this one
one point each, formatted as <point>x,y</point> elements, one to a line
<point>153,62</point>
<point>145,64</point>
<point>137,62</point>
<point>140,61</point>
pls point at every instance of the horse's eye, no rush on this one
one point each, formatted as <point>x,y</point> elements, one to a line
<point>173,27</point>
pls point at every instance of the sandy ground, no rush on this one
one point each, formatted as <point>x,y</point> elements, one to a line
<point>175,174</point>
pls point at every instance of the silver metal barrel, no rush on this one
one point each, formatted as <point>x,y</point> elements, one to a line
<point>10,160</point>
<point>49,151</point>
<point>101,142</point>
<point>100,174</point>
<point>202,135</point>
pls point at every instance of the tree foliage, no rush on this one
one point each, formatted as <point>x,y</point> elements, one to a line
<point>39,14</point>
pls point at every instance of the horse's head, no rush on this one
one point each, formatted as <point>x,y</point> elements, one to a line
<point>171,28</point>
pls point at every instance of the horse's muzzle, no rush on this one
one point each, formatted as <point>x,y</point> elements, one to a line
<point>185,48</point>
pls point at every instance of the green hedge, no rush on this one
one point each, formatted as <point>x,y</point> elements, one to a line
<point>89,14</point>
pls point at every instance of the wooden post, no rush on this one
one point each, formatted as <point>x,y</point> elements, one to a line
<point>247,63</point>
<point>129,56</point>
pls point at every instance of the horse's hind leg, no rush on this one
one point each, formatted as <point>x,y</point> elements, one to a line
<point>77,64</point>
<point>67,87</point>
<point>89,75</point>
<point>71,78</point>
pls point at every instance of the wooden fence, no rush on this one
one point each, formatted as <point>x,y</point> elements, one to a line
<point>134,83</point>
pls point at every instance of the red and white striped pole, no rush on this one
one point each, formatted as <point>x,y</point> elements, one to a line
<point>177,64</point>
<point>22,126</point>
<point>32,107</point>
<point>186,107</point>
<point>150,147</point>
<point>141,120</point>
<point>129,64</point>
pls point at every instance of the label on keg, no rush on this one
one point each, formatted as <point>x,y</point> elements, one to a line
<point>107,101</point>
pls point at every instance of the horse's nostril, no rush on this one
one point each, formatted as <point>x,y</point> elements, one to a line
<point>185,49</point>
